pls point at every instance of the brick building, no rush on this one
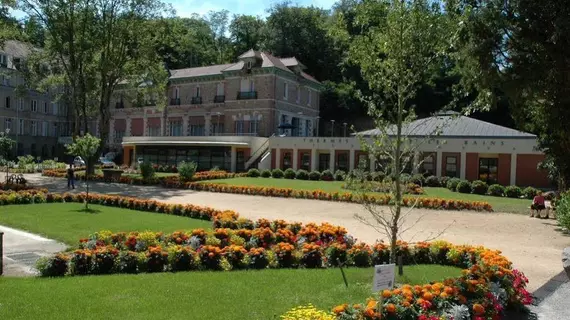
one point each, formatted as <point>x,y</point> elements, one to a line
<point>35,119</point>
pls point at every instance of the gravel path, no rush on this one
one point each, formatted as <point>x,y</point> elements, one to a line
<point>533,245</point>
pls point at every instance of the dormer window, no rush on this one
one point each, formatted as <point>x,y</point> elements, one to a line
<point>249,64</point>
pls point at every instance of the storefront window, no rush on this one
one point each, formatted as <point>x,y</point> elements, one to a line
<point>324,161</point>
<point>287,160</point>
<point>428,166</point>
<point>240,158</point>
<point>488,170</point>
<point>305,161</point>
<point>342,162</point>
<point>451,166</point>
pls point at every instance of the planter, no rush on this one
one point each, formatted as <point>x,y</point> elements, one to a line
<point>112,174</point>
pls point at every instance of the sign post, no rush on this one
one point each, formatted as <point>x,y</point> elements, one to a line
<point>384,277</point>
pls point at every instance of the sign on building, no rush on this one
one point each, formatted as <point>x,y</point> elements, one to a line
<point>384,277</point>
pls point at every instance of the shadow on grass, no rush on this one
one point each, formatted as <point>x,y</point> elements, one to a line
<point>89,210</point>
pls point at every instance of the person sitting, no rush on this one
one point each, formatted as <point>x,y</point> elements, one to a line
<point>538,204</point>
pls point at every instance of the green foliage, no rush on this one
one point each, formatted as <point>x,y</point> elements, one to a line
<point>327,175</point>
<point>186,170</point>
<point>86,147</point>
<point>530,192</point>
<point>289,174</point>
<point>339,175</point>
<point>26,160</point>
<point>418,179</point>
<point>314,175</point>
<point>563,210</point>
<point>432,181</point>
<point>452,184</point>
<point>147,171</point>
<point>497,190</point>
<point>302,175</point>
<point>479,187</point>
<point>266,173</point>
<point>464,187</point>
<point>513,192</point>
<point>253,173</point>
<point>277,173</point>
<point>5,146</point>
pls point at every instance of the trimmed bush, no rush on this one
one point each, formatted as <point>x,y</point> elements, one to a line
<point>530,192</point>
<point>339,175</point>
<point>302,175</point>
<point>266,173</point>
<point>479,187</point>
<point>464,187</point>
<point>187,170</point>
<point>443,181</point>
<point>452,184</point>
<point>253,173</point>
<point>289,174</point>
<point>497,190</point>
<point>432,181</point>
<point>513,192</point>
<point>418,179</point>
<point>277,173</point>
<point>327,175</point>
<point>314,175</point>
<point>147,171</point>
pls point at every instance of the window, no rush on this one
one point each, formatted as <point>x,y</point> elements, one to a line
<point>21,104</point>
<point>176,93</point>
<point>305,161</point>
<point>287,160</point>
<point>8,123</point>
<point>428,166</point>
<point>34,106</point>
<point>451,166</point>
<point>197,91</point>
<point>488,170</point>
<point>45,129</point>
<point>238,129</point>
<point>220,89</point>
<point>298,94</point>
<point>307,128</point>
<point>46,108</point>
<point>285,91</point>
<point>175,128</point>
<point>218,129</point>
<point>7,104</point>
<point>21,126</point>
<point>54,108</point>
<point>33,128</point>
<point>254,126</point>
<point>324,161</point>
<point>308,97</point>
<point>249,64</point>
<point>197,130</point>
<point>3,61</point>
<point>342,161</point>
<point>55,130</point>
<point>154,131</point>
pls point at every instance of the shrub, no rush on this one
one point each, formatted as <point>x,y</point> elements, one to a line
<point>339,175</point>
<point>253,173</point>
<point>302,175</point>
<point>266,173</point>
<point>464,187</point>
<point>147,171</point>
<point>513,192</point>
<point>452,184</point>
<point>289,174</point>
<point>479,187</point>
<point>563,210</point>
<point>417,179</point>
<point>314,175</point>
<point>187,170</point>
<point>432,181</point>
<point>497,190</point>
<point>55,266</point>
<point>443,181</point>
<point>277,173</point>
<point>378,176</point>
<point>327,175</point>
<point>404,178</point>
<point>530,192</point>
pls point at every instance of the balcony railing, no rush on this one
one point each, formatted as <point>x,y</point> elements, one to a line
<point>247,95</point>
<point>219,99</point>
<point>196,100</point>
<point>175,101</point>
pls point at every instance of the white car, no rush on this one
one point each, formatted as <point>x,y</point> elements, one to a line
<point>78,162</point>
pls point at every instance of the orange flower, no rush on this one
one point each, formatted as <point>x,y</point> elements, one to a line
<point>478,309</point>
<point>390,308</point>
<point>406,304</point>
<point>428,296</point>
<point>371,303</point>
<point>340,309</point>
<point>386,294</point>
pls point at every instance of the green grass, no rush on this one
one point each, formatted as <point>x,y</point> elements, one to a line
<point>248,295</point>
<point>499,204</point>
<point>67,222</point>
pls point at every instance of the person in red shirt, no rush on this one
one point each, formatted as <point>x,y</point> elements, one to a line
<point>538,203</point>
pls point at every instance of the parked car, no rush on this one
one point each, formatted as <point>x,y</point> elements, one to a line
<point>78,162</point>
<point>106,162</point>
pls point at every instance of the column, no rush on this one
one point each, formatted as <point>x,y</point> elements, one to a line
<point>463,163</point>
<point>351,164</point>
<point>134,161</point>
<point>331,160</point>
<point>416,162</point>
<point>438,163</point>
<point>372,163</point>
<point>314,159</point>
<point>207,124</point>
<point>513,169</point>
<point>295,159</point>
<point>185,126</point>
<point>277,158</point>
<point>233,159</point>
<point>128,128</point>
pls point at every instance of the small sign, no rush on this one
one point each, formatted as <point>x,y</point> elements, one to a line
<point>384,277</point>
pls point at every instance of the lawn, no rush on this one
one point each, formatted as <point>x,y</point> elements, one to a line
<point>499,204</point>
<point>249,295</point>
<point>67,223</point>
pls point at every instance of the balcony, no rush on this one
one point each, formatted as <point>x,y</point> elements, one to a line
<point>196,100</point>
<point>175,101</point>
<point>219,99</point>
<point>247,95</point>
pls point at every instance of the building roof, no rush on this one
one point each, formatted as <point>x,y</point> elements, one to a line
<point>199,71</point>
<point>250,54</point>
<point>292,62</point>
<point>16,49</point>
<point>271,61</point>
<point>453,125</point>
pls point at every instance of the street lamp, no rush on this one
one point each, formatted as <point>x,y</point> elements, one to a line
<point>345,124</point>
<point>332,128</point>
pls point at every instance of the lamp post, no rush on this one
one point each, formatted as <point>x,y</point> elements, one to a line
<point>345,124</point>
<point>332,128</point>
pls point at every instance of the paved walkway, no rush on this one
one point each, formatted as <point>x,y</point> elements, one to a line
<point>23,249</point>
<point>534,245</point>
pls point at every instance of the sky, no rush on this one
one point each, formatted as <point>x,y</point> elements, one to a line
<point>185,8</point>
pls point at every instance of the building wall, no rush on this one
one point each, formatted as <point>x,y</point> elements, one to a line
<point>527,172</point>
<point>504,169</point>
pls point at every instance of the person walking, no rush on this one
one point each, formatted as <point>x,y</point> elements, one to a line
<point>70,177</point>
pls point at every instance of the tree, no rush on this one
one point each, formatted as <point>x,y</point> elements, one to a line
<point>86,147</point>
<point>6,144</point>
<point>396,57</point>
<point>218,21</point>
<point>247,32</point>
<point>519,50</point>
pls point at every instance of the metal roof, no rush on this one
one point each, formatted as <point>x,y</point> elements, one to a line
<point>453,125</point>
<point>200,71</point>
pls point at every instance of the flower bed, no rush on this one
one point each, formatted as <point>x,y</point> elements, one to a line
<point>421,202</point>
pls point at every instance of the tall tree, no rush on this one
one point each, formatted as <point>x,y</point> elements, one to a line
<point>218,21</point>
<point>247,32</point>
<point>34,31</point>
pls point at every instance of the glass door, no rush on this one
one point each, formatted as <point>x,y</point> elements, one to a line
<point>488,170</point>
